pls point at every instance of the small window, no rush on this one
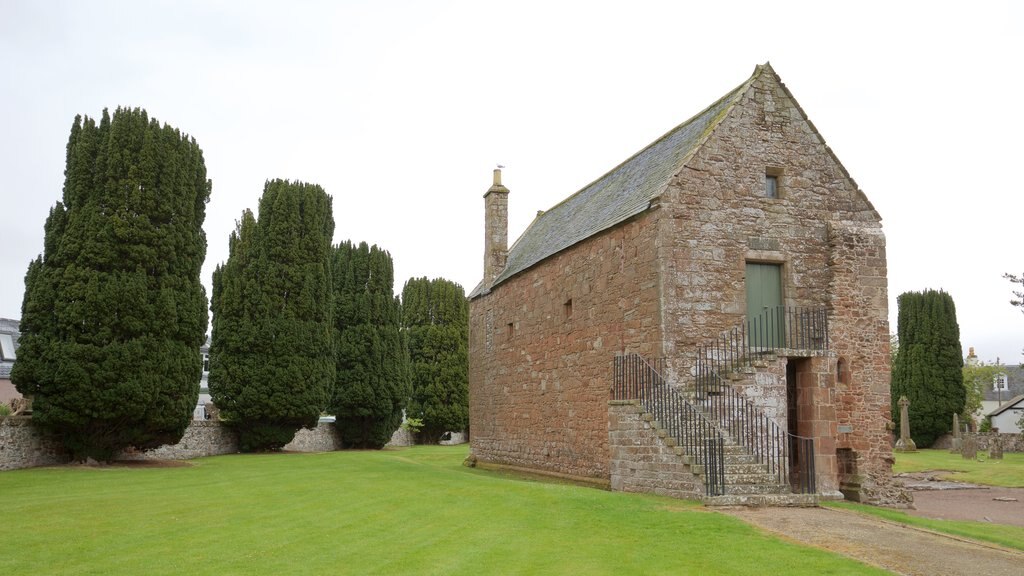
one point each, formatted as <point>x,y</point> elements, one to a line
<point>511,329</point>
<point>771,182</point>
<point>568,308</point>
<point>7,347</point>
<point>842,371</point>
<point>1000,383</point>
<point>206,363</point>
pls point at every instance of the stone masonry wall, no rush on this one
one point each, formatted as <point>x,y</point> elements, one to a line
<point>641,462</point>
<point>542,346</point>
<point>21,446</point>
<point>821,230</point>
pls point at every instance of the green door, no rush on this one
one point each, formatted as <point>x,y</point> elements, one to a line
<point>764,305</point>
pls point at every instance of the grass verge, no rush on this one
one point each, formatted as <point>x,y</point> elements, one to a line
<point>1008,472</point>
<point>411,511</point>
<point>1000,534</point>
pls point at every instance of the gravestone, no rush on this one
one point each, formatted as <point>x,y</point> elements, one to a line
<point>958,440</point>
<point>995,448</point>
<point>905,443</point>
<point>969,451</point>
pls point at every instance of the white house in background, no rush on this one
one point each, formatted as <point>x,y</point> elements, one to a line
<point>1005,417</point>
<point>204,385</point>
<point>8,353</point>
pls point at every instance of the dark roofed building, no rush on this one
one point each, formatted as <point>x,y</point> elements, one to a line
<point>733,258</point>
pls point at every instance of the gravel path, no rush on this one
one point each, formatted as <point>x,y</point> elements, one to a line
<point>891,546</point>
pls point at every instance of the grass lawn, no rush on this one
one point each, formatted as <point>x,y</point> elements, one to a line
<point>1001,534</point>
<point>410,511</point>
<point>1008,472</point>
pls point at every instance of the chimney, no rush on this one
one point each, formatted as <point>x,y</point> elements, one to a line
<point>495,229</point>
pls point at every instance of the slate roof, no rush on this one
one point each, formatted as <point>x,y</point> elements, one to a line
<point>624,192</point>
<point>1006,405</point>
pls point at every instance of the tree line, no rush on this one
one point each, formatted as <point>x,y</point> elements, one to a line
<point>114,311</point>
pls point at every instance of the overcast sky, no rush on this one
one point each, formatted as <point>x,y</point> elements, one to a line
<point>400,110</point>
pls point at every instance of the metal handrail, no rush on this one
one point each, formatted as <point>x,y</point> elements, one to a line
<point>787,456</point>
<point>636,379</point>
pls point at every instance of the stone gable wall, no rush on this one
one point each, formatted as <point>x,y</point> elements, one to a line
<point>826,236</point>
<point>541,369</point>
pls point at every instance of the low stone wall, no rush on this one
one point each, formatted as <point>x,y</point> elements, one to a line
<point>21,445</point>
<point>323,438</point>
<point>201,438</point>
<point>1011,442</point>
<point>401,438</point>
<point>640,461</point>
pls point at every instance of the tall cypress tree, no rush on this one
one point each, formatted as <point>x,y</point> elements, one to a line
<point>436,319</point>
<point>271,360</point>
<point>928,369</point>
<point>114,310</point>
<point>372,384</point>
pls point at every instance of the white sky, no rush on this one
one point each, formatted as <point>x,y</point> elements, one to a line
<point>400,110</point>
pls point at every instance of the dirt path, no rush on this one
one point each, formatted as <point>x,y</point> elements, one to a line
<point>884,544</point>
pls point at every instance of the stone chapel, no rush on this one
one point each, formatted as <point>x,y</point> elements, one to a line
<point>706,320</point>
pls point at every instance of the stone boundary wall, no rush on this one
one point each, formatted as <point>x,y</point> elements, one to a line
<point>1011,442</point>
<point>21,446</point>
<point>323,438</point>
<point>201,438</point>
<point>402,437</point>
<point>640,461</point>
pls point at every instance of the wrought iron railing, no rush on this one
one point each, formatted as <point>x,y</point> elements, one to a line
<point>787,456</point>
<point>636,379</point>
<point>774,330</point>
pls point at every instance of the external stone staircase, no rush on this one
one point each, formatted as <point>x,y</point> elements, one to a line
<point>747,482</point>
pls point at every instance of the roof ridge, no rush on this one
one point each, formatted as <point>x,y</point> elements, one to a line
<point>742,88</point>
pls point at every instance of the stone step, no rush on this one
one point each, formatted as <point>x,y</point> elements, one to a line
<point>760,478</point>
<point>760,500</point>
<point>755,489</point>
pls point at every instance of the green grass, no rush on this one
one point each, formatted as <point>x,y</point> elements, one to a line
<point>412,511</point>
<point>1001,534</point>
<point>1008,472</point>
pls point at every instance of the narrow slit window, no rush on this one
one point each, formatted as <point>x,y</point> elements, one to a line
<point>511,329</point>
<point>771,186</point>
<point>568,308</point>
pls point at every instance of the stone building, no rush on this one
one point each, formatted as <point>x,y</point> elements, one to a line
<point>8,354</point>
<point>731,274</point>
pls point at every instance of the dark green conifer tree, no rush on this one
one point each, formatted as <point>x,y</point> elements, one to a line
<point>372,383</point>
<point>114,310</point>
<point>928,369</point>
<point>271,361</point>
<point>436,319</point>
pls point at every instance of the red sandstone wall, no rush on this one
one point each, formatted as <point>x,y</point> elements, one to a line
<point>538,397</point>
<point>539,391</point>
